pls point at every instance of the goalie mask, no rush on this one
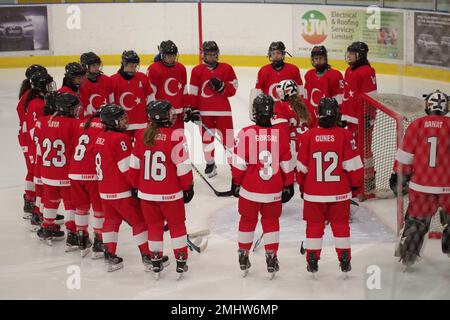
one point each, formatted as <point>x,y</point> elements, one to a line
<point>436,103</point>
<point>286,89</point>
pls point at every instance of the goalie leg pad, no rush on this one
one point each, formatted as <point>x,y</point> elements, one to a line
<point>445,219</point>
<point>412,238</point>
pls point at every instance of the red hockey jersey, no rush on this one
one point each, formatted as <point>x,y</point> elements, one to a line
<point>262,163</point>
<point>112,161</point>
<point>209,102</point>
<point>268,78</point>
<point>95,94</point>
<point>82,166</point>
<point>360,80</point>
<point>22,117</point>
<point>161,172</point>
<point>35,110</point>
<point>133,95</point>
<point>328,164</point>
<point>169,83</point>
<point>56,143</point>
<point>425,154</point>
<point>328,85</point>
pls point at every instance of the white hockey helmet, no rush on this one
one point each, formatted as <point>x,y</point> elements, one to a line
<point>286,89</point>
<point>436,102</point>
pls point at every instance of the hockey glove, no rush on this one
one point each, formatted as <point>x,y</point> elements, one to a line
<point>195,115</point>
<point>216,84</point>
<point>134,193</point>
<point>287,194</point>
<point>235,189</point>
<point>356,191</point>
<point>188,194</point>
<point>393,182</point>
<point>187,114</point>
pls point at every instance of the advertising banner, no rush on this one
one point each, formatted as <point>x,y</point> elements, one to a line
<point>23,28</point>
<point>336,28</point>
<point>432,39</point>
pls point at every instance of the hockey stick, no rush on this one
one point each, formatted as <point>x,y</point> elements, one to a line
<point>217,193</point>
<point>258,242</point>
<point>212,134</point>
<point>192,235</point>
<point>200,247</point>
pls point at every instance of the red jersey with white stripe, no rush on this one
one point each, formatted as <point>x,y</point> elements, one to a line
<point>268,78</point>
<point>208,101</point>
<point>66,89</point>
<point>82,166</point>
<point>360,80</point>
<point>56,142</point>
<point>328,164</point>
<point>35,110</point>
<point>133,95</point>
<point>330,84</point>
<point>169,83</point>
<point>262,163</point>
<point>37,177</point>
<point>112,160</point>
<point>161,172</point>
<point>425,154</point>
<point>22,115</point>
<point>94,94</point>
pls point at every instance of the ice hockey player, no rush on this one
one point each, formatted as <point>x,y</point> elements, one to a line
<point>293,113</point>
<point>422,160</point>
<point>322,81</point>
<point>271,74</point>
<point>360,78</point>
<point>132,90</point>
<point>262,179</point>
<point>56,145</point>
<point>212,83</point>
<point>96,89</point>
<point>112,159</point>
<point>329,168</point>
<point>29,195</point>
<point>168,79</point>
<point>83,183</point>
<point>74,76</point>
<point>164,190</point>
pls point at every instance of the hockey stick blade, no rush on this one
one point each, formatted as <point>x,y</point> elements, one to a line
<point>200,233</point>
<point>195,247</point>
<point>217,193</point>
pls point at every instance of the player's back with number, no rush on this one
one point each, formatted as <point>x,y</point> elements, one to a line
<point>162,171</point>
<point>330,164</point>
<point>82,165</point>
<point>262,154</point>
<point>57,147</point>
<point>426,146</point>
<point>112,160</point>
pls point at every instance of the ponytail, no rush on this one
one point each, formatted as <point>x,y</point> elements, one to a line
<point>150,134</point>
<point>299,108</point>
<point>89,120</point>
<point>26,85</point>
<point>33,93</point>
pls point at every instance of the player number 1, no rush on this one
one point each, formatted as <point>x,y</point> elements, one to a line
<point>433,150</point>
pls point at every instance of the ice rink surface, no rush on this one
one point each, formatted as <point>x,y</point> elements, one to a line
<point>30,269</point>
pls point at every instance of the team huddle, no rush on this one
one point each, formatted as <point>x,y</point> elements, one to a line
<point>117,145</point>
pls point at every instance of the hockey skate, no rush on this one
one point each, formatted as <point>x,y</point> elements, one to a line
<point>28,208</point>
<point>344,263</point>
<point>182,267</point>
<point>71,241</point>
<point>147,261</point>
<point>98,248</point>
<point>113,262</point>
<point>211,170</point>
<point>312,264</point>
<point>244,261</point>
<point>272,264</point>
<point>50,233</point>
<point>84,243</point>
<point>35,222</point>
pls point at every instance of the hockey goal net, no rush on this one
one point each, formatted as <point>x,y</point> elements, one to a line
<point>386,117</point>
